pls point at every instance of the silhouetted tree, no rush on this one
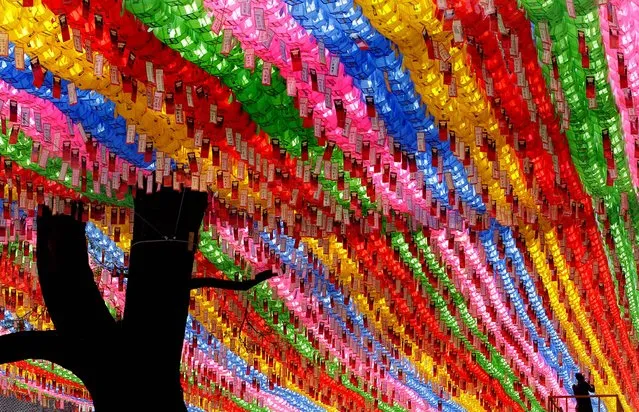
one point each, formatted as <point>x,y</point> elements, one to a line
<point>132,365</point>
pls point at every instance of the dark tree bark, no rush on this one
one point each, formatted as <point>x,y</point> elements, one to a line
<point>165,237</point>
<point>133,365</point>
<point>230,284</point>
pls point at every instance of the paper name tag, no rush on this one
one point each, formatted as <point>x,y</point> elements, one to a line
<point>98,67</point>
<point>44,157</point>
<point>249,59</point>
<point>328,100</point>
<point>114,74</point>
<point>73,96</point>
<point>24,117</point>
<point>179,114</point>
<point>321,82</point>
<point>266,74</point>
<point>245,8</point>
<point>189,96</point>
<point>37,119</point>
<point>77,40</point>
<point>458,33</point>
<point>141,143</point>
<point>290,86</point>
<point>321,49</point>
<point>149,72</point>
<point>4,44</point>
<point>217,24</point>
<point>334,66</point>
<point>130,134</point>
<point>19,58</point>
<point>157,101</point>
<point>421,141</point>
<point>226,41</point>
<point>159,80</point>
<point>213,113</point>
<point>47,132</point>
<point>63,171</point>
<point>259,19</point>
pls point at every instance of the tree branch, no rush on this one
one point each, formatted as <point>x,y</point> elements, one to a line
<point>66,280</point>
<point>222,284</point>
<point>230,284</point>
<point>47,345</point>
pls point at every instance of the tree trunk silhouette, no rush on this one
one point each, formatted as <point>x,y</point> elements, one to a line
<point>157,296</point>
<point>132,365</point>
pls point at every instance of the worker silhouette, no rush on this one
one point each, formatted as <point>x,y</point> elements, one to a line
<point>583,388</point>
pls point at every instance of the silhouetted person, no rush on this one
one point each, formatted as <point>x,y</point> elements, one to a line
<point>583,388</point>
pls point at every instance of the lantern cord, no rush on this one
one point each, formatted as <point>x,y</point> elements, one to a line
<point>149,224</point>
<point>166,239</point>
<point>239,333</point>
<point>177,222</point>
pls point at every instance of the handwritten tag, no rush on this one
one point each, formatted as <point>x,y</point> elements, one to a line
<point>290,86</point>
<point>98,67</point>
<point>217,24</point>
<point>543,31</point>
<point>213,113</point>
<point>88,50</point>
<point>452,87</point>
<point>77,41</point>
<point>73,96</point>
<point>159,161</point>
<point>321,50</point>
<point>321,82</point>
<point>249,59</point>
<point>56,141</point>
<point>44,158</point>
<point>157,101</point>
<point>114,75</point>
<point>334,66</point>
<point>189,96</point>
<point>141,143</point>
<point>283,51</point>
<point>226,41</point>
<point>458,33</point>
<point>24,117</point>
<point>4,44</point>
<point>19,58</point>
<point>570,8</point>
<point>47,132</point>
<point>37,120</point>
<point>245,8</point>
<point>421,141</point>
<point>130,134</point>
<point>266,73</point>
<point>259,19</point>
<point>179,114</point>
<point>159,80</point>
<point>63,171</point>
<point>228,132</point>
<point>328,101</point>
<point>150,77</point>
<point>270,34</point>
<point>303,107</point>
<point>75,177</point>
